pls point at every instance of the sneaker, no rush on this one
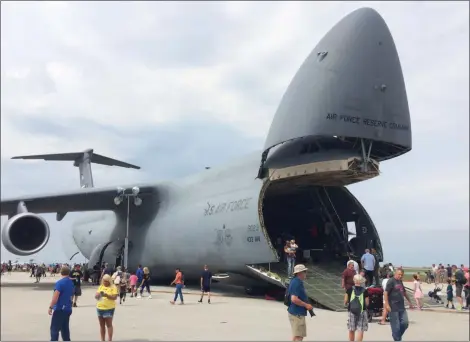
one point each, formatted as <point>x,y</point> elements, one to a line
<point>208,301</point>
<point>74,305</point>
<point>182,303</point>
<point>149,297</point>
<point>199,301</point>
<point>124,299</point>
<point>139,297</point>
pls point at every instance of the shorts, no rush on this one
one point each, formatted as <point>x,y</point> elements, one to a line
<point>458,290</point>
<point>206,289</point>
<point>105,313</point>
<point>298,325</point>
<point>358,323</point>
<point>77,291</point>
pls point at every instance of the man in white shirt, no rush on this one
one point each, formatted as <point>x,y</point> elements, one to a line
<point>384,311</point>
<point>356,265</point>
<point>434,269</point>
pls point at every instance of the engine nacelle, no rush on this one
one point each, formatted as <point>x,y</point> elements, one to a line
<point>25,234</point>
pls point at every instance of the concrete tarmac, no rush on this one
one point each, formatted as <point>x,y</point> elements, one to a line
<point>230,317</point>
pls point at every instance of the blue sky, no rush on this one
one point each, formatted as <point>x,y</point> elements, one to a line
<point>174,87</point>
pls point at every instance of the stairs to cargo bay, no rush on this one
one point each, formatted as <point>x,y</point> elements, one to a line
<point>323,283</point>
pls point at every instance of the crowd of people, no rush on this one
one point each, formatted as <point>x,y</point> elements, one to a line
<point>113,283</point>
<point>358,279</point>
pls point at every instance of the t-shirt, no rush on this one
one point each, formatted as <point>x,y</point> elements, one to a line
<point>449,271</point>
<point>76,276</point>
<point>206,277</point>
<point>459,275</point>
<point>384,283</point>
<point>369,261</point>
<point>133,279</point>
<point>140,274</point>
<point>146,277</point>
<point>66,289</point>
<point>348,276</point>
<point>179,277</point>
<point>296,288</point>
<point>450,291</point>
<point>396,295</point>
<point>358,289</point>
<point>106,303</point>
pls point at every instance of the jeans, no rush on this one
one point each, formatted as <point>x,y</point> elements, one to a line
<point>146,285</point>
<point>399,324</point>
<point>290,266</point>
<point>179,291</point>
<point>60,322</point>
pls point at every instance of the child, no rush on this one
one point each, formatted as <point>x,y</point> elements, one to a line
<point>418,292</point>
<point>357,300</point>
<point>133,282</point>
<point>450,294</point>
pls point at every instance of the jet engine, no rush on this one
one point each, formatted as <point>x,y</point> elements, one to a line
<point>25,234</point>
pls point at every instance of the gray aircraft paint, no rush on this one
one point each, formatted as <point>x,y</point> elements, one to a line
<point>178,223</point>
<point>343,75</point>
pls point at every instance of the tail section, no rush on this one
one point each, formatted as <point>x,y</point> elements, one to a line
<point>83,161</point>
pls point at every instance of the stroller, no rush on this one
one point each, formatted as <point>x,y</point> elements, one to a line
<point>376,302</point>
<point>434,296</point>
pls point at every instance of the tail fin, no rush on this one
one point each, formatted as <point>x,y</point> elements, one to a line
<point>83,161</point>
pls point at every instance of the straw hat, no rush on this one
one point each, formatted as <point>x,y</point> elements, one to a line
<point>300,268</point>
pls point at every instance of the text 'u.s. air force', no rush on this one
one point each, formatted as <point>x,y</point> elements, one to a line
<point>213,209</point>
<point>357,120</point>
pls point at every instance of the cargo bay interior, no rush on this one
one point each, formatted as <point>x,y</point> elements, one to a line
<point>317,218</point>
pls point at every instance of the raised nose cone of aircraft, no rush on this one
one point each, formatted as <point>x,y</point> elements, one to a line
<point>350,86</point>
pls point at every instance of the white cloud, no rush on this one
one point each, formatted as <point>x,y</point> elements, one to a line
<point>129,66</point>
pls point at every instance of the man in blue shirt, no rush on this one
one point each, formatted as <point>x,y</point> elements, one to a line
<point>61,306</point>
<point>140,275</point>
<point>206,281</point>
<point>368,264</point>
<point>298,303</point>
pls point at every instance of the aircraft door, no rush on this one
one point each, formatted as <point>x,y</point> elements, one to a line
<point>110,252</point>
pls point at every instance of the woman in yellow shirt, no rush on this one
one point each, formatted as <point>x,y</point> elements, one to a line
<point>106,296</point>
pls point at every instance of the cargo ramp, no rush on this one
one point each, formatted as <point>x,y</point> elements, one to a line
<point>323,283</point>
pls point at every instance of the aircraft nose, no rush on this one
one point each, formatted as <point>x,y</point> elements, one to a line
<point>351,85</point>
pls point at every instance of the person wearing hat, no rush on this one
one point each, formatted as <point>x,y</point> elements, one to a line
<point>299,304</point>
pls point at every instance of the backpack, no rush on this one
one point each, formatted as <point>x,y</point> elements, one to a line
<point>117,280</point>
<point>287,301</point>
<point>460,278</point>
<point>356,304</point>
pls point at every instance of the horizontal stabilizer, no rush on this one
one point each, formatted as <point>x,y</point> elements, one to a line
<point>76,156</point>
<point>83,161</point>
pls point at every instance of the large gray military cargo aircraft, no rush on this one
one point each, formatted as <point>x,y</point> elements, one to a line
<point>345,111</point>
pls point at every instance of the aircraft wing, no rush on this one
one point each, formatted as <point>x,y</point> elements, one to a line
<point>84,199</point>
